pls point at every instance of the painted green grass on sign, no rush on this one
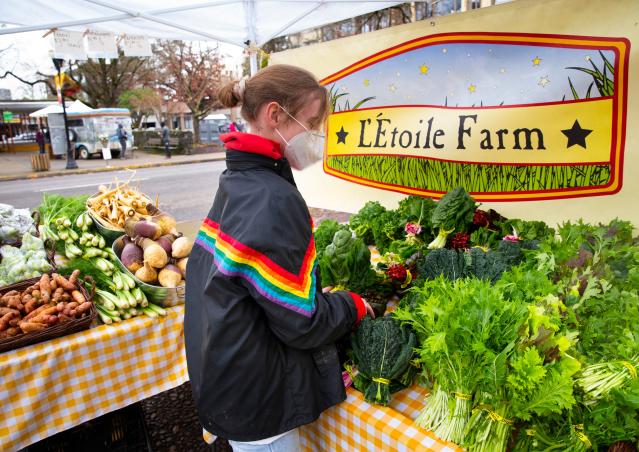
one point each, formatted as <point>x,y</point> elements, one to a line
<point>444,176</point>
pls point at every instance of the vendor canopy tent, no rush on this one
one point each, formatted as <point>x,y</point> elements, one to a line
<point>231,21</point>
<point>74,107</point>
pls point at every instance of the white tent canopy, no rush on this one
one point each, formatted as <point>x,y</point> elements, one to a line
<point>216,117</point>
<point>74,107</point>
<point>230,21</point>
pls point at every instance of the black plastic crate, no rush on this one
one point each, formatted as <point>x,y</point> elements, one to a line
<point>119,431</point>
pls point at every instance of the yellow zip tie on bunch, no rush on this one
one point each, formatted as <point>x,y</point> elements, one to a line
<point>461,395</point>
<point>409,278</point>
<point>495,416</point>
<point>380,380</point>
<point>531,432</point>
<point>499,418</point>
<point>349,370</point>
<point>581,435</point>
<point>632,369</point>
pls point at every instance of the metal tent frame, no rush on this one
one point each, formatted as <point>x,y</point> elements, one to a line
<point>116,13</point>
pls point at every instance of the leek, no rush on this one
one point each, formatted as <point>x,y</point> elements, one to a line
<point>157,309</point>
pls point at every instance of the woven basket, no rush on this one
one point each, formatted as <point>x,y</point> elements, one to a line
<point>58,330</point>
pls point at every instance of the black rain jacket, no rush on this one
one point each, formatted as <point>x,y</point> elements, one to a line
<point>259,331</point>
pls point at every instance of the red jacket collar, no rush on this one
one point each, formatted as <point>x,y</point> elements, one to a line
<point>247,142</point>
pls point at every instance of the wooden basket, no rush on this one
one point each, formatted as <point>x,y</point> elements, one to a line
<point>52,332</point>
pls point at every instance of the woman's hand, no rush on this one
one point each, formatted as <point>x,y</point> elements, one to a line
<point>369,309</point>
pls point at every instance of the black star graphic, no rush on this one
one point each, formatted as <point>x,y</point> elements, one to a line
<point>576,135</point>
<point>341,136</point>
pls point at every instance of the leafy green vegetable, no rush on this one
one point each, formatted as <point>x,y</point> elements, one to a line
<point>442,262</point>
<point>382,351</point>
<point>526,230</point>
<point>324,235</point>
<point>346,263</point>
<point>55,206</point>
<point>387,228</point>
<point>488,265</point>
<point>454,212</point>
<point>416,209</point>
<point>362,222</point>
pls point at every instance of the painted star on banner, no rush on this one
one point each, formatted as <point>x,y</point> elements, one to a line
<point>341,136</point>
<point>367,82</point>
<point>444,50</point>
<point>472,88</point>
<point>502,70</point>
<point>423,69</point>
<point>543,81</point>
<point>536,61</point>
<point>392,88</point>
<point>576,135</point>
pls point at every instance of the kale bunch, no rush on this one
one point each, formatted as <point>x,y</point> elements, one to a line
<point>362,222</point>
<point>442,261</point>
<point>382,351</point>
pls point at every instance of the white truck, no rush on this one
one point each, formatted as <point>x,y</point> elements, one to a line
<point>89,127</point>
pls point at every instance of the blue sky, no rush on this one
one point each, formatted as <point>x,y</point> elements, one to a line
<point>469,74</point>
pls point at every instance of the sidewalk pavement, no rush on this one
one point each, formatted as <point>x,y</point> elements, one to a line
<point>17,165</point>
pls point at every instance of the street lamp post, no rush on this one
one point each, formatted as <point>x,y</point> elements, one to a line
<point>71,163</point>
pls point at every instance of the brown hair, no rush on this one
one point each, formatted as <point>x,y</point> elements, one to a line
<point>289,86</point>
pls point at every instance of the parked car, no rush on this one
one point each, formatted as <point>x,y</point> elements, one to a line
<point>24,137</point>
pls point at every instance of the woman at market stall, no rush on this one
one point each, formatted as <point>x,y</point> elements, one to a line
<point>259,330</point>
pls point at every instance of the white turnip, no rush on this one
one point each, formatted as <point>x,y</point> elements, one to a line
<point>181,247</point>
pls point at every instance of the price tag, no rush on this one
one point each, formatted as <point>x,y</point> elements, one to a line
<point>136,46</point>
<point>68,45</point>
<point>101,44</point>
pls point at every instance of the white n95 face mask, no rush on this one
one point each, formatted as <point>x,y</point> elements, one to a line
<point>303,149</point>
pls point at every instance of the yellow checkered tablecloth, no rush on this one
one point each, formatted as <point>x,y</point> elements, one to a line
<point>355,425</point>
<point>55,385</point>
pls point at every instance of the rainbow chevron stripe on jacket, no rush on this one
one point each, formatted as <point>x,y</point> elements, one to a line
<point>232,258</point>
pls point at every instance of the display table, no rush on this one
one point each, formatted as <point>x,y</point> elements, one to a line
<point>357,425</point>
<point>55,385</point>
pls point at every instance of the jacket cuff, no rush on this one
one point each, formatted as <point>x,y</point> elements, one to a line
<point>359,306</point>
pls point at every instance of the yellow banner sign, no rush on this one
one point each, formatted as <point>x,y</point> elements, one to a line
<point>520,117</point>
<point>570,133</point>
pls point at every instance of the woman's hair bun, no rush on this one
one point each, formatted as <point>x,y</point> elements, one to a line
<point>232,94</point>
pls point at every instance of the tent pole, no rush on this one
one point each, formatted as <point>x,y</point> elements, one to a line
<point>253,61</point>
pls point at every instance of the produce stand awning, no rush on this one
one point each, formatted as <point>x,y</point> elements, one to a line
<point>74,107</point>
<point>230,21</point>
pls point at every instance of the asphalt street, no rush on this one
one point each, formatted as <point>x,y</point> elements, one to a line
<point>185,191</point>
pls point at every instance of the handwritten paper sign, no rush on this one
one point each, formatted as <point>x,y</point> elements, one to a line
<point>136,46</point>
<point>68,45</point>
<point>101,44</point>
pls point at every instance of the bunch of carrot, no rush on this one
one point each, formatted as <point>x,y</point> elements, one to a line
<point>53,299</point>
